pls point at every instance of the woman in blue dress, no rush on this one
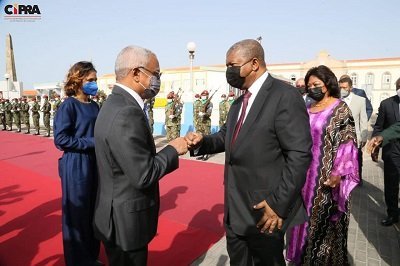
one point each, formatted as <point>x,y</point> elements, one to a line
<point>74,135</point>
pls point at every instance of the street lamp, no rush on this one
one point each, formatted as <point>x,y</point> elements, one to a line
<point>7,77</point>
<point>191,47</point>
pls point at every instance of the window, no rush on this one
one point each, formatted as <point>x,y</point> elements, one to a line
<point>354,79</point>
<point>369,79</point>
<point>386,79</point>
<point>293,77</point>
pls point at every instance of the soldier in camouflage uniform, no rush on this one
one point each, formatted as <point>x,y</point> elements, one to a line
<point>229,102</point>
<point>8,114</point>
<point>204,122</point>
<point>25,115</point>
<point>16,110</point>
<point>149,104</point>
<point>196,110</point>
<point>173,110</point>
<point>56,105</point>
<point>46,109</point>
<point>3,114</point>
<point>101,101</point>
<point>36,116</point>
<point>223,113</point>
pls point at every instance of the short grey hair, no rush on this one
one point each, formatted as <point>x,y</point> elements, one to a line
<point>129,58</point>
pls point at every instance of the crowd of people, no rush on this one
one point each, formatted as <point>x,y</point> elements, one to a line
<point>292,159</point>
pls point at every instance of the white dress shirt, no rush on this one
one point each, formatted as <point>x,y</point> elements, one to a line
<point>134,94</point>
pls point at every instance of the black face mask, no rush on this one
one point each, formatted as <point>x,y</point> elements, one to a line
<point>316,93</point>
<point>233,76</point>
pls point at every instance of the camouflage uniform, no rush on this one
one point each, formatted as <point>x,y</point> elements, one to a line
<point>46,109</point>
<point>8,114</point>
<point>36,116</point>
<point>205,110</point>
<point>173,111</point>
<point>229,102</point>
<point>56,106</point>
<point>25,115</point>
<point>16,110</point>
<point>223,113</point>
<point>196,110</point>
<point>3,114</point>
<point>149,107</point>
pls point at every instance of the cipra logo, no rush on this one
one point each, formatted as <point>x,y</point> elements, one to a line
<point>19,12</point>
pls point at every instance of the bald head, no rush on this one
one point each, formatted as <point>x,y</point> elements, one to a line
<point>248,49</point>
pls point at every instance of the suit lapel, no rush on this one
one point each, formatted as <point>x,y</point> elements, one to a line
<point>396,110</point>
<point>254,111</point>
<point>131,100</point>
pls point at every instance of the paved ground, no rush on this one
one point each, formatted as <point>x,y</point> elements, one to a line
<point>369,243</point>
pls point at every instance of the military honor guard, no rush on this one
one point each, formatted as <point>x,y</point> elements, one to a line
<point>46,109</point>
<point>56,104</point>
<point>8,114</point>
<point>3,114</point>
<point>204,118</point>
<point>223,113</point>
<point>196,109</point>
<point>149,104</point>
<point>173,110</point>
<point>25,114</point>
<point>36,115</point>
<point>16,111</point>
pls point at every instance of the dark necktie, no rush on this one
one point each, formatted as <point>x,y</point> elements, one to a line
<point>239,123</point>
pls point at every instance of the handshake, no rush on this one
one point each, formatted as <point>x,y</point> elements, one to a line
<point>191,141</point>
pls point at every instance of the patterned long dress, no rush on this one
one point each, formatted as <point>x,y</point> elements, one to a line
<point>323,239</point>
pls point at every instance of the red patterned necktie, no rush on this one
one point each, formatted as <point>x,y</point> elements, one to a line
<point>239,123</point>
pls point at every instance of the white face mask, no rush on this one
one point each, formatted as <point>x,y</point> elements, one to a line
<point>230,98</point>
<point>169,100</point>
<point>204,97</point>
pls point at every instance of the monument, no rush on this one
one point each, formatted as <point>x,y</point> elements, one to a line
<point>11,87</point>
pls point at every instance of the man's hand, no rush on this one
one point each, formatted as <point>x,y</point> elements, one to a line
<point>180,145</point>
<point>201,114</point>
<point>193,140</point>
<point>333,181</point>
<point>270,219</point>
<point>171,116</point>
<point>374,143</point>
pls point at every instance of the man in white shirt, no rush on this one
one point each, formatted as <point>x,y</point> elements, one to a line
<point>357,106</point>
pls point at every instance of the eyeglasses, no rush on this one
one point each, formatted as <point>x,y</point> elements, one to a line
<point>155,73</point>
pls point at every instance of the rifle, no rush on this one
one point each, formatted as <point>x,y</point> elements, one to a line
<point>209,100</point>
<point>176,100</point>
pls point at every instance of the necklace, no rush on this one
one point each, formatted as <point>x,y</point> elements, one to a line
<point>322,103</point>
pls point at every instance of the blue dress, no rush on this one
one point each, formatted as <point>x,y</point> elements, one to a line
<point>74,134</point>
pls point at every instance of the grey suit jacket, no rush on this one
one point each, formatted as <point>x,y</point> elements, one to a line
<point>357,107</point>
<point>127,204</point>
<point>269,158</point>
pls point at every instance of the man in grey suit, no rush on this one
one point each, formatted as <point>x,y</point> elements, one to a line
<point>357,105</point>
<point>267,145</point>
<point>128,199</point>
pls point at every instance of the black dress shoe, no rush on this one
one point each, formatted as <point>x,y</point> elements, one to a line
<point>388,221</point>
<point>200,157</point>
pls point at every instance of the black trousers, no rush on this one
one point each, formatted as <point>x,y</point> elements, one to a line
<point>118,257</point>
<point>391,186</point>
<point>260,249</point>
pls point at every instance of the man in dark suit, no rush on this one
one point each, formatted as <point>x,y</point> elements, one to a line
<point>128,200</point>
<point>388,115</point>
<point>267,145</point>
<point>301,87</point>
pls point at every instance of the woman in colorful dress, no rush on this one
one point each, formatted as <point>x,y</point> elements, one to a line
<point>74,135</point>
<point>332,175</point>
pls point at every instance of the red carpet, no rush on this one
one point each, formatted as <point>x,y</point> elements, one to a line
<point>30,207</point>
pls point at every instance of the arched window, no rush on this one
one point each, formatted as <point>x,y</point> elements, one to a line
<point>354,79</point>
<point>369,79</point>
<point>293,77</point>
<point>386,80</point>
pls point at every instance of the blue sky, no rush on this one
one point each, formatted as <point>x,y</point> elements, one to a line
<point>292,31</point>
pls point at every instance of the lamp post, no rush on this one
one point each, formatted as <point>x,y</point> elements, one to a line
<point>7,77</point>
<point>191,47</point>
